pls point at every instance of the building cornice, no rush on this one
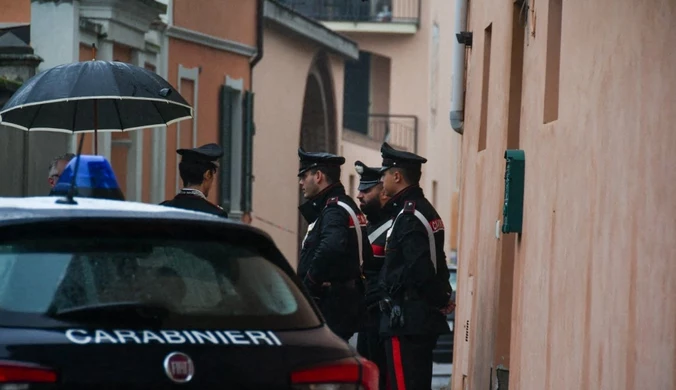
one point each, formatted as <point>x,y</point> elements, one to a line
<point>211,41</point>
<point>299,24</point>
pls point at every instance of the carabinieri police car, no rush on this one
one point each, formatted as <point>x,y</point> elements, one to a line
<point>108,294</point>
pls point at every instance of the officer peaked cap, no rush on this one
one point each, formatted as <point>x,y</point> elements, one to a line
<point>205,153</point>
<point>368,177</point>
<point>310,160</point>
<point>393,158</point>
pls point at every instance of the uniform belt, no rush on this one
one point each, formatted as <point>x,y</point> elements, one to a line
<point>340,283</point>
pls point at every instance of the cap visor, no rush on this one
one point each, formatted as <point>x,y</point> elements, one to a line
<point>366,186</point>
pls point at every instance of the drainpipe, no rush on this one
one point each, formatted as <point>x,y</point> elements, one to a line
<point>260,4</point>
<point>458,69</point>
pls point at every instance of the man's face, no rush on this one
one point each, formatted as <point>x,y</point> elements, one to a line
<point>56,172</point>
<point>369,199</point>
<point>309,183</point>
<point>390,180</point>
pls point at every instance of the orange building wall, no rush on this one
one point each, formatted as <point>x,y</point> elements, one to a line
<point>215,65</point>
<point>15,11</point>
<point>227,19</point>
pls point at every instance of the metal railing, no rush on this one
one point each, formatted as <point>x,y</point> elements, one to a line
<point>400,131</point>
<point>378,11</point>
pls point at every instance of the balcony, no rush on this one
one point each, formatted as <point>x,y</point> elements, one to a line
<point>374,16</point>
<point>400,131</point>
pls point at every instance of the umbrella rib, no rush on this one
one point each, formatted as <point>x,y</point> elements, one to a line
<point>159,112</point>
<point>119,116</point>
<point>37,112</point>
<point>75,104</point>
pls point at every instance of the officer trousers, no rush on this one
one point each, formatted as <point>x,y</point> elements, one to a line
<point>409,361</point>
<point>371,346</point>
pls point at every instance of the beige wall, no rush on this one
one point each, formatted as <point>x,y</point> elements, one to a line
<point>279,84</point>
<point>416,88</point>
<point>593,272</point>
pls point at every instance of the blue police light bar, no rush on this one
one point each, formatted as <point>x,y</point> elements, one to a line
<point>95,179</point>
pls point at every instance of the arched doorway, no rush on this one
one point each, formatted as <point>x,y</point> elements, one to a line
<point>318,123</point>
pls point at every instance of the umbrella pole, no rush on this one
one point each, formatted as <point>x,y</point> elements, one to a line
<point>96,125</point>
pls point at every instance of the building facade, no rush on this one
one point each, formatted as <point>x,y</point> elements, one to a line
<point>397,90</point>
<point>298,85</point>
<point>206,52</point>
<point>582,297</point>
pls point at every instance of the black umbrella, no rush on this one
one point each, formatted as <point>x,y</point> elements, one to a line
<point>94,96</point>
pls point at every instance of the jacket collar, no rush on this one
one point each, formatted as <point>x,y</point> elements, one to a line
<point>396,203</point>
<point>311,209</point>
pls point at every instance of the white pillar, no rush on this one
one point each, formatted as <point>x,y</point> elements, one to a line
<point>55,36</point>
<point>105,53</point>
<point>135,154</point>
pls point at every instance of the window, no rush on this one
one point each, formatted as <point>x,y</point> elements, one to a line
<point>209,284</point>
<point>485,88</point>
<point>553,65</point>
<point>356,95</point>
<point>237,132</point>
<point>186,131</point>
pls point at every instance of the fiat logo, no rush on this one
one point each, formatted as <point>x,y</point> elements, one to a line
<point>179,367</point>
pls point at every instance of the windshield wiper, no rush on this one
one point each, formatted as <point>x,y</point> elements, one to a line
<point>115,313</point>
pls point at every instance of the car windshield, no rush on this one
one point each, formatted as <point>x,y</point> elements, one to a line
<point>206,283</point>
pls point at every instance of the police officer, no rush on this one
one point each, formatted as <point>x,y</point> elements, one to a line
<point>197,169</point>
<point>372,200</point>
<point>414,278</point>
<point>335,245</point>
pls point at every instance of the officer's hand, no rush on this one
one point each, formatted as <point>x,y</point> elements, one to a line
<point>448,309</point>
<point>315,288</point>
<point>372,296</point>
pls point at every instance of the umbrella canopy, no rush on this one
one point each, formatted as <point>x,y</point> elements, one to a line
<point>94,96</point>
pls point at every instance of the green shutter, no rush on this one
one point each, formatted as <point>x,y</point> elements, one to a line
<point>247,151</point>
<point>226,100</point>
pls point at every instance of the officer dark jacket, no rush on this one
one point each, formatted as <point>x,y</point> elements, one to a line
<point>379,221</point>
<point>408,276</point>
<point>377,229</point>
<point>416,286</point>
<point>192,201</point>
<point>329,255</point>
<point>203,158</point>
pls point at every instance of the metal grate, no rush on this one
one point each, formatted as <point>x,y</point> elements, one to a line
<point>502,375</point>
<point>467,331</point>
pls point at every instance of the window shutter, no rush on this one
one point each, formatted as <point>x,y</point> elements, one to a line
<point>226,100</point>
<point>247,151</point>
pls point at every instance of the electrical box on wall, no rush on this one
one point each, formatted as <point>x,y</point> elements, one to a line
<point>512,210</point>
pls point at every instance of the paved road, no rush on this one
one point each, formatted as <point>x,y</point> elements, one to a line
<point>441,372</point>
<point>442,376</point>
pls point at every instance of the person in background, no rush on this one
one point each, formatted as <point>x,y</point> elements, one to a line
<point>246,218</point>
<point>56,167</point>
<point>414,279</point>
<point>197,169</point>
<point>372,199</point>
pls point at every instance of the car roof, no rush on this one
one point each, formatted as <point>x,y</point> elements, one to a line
<point>15,210</point>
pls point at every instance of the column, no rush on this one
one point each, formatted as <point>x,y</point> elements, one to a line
<point>104,53</point>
